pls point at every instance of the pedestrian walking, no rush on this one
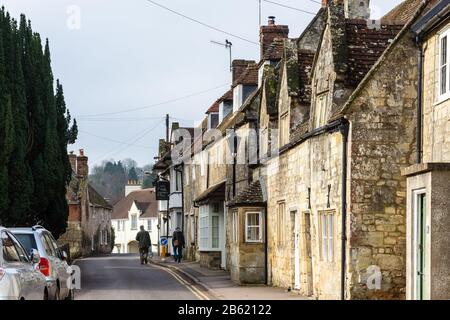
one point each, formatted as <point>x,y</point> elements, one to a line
<point>143,237</point>
<point>178,244</point>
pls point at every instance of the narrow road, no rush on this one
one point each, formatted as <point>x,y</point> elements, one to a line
<point>122,277</point>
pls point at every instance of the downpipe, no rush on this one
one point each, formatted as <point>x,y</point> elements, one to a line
<point>344,130</point>
<point>419,103</point>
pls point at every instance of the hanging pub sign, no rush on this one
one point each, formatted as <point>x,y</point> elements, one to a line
<point>162,190</point>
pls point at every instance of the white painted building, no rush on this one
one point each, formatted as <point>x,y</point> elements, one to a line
<point>137,208</point>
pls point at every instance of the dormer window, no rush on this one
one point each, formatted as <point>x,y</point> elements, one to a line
<point>226,107</point>
<point>213,120</point>
<point>238,95</point>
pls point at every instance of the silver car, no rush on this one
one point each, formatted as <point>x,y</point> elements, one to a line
<point>53,261</point>
<point>20,278</point>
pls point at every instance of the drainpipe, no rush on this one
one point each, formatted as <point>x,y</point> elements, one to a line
<point>266,247</point>
<point>344,128</point>
<point>419,103</point>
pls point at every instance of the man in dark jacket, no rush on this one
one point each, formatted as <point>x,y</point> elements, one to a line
<point>143,237</point>
<point>178,244</point>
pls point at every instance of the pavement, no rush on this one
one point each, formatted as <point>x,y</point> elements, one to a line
<point>218,284</point>
<point>122,277</point>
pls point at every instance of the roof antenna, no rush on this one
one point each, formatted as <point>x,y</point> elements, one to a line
<point>260,13</point>
<point>228,45</point>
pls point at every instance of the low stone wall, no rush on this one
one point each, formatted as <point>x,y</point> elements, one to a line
<point>211,259</point>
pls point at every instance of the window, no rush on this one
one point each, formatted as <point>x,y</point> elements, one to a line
<point>49,249</point>
<point>281,223</point>
<point>321,110</point>
<point>10,253</point>
<point>215,232</point>
<point>327,235</point>
<point>149,225</point>
<point>253,227</point>
<point>203,227</point>
<point>178,181</point>
<point>444,92</point>
<point>118,225</point>
<point>264,143</point>
<point>133,222</point>
<point>284,129</point>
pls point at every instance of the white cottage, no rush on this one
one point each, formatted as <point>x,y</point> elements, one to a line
<point>137,208</point>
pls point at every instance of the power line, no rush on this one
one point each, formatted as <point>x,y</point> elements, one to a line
<point>152,106</point>
<point>202,23</point>
<point>115,141</point>
<point>131,141</point>
<point>318,2</point>
<point>289,7</point>
<point>118,119</point>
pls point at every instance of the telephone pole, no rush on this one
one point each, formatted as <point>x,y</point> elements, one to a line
<point>167,127</point>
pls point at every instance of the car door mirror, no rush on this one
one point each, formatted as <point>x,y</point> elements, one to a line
<point>64,256</point>
<point>35,256</point>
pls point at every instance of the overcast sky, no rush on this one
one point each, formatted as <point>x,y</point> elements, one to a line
<point>116,55</point>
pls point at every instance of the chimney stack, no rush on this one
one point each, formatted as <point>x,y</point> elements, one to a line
<point>82,165</point>
<point>73,161</point>
<point>357,9</point>
<point>271,32</point>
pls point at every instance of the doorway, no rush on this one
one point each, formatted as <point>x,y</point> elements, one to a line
<point>308,268</point>
<point>296,250</point>
<point>420,245</point>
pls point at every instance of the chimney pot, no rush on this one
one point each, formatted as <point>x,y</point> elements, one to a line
<point>82,152</point>
<point>271,20</point>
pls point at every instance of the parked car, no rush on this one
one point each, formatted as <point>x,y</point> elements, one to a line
<point>20,278</point>
<point>53,261</point>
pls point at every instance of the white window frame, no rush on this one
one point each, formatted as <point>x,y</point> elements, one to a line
<point>443,96</point>
<point>149,225</point>
<point>134,221</point>
<point>259,227</point>
<point>327,235</point>
<point>203,228</point>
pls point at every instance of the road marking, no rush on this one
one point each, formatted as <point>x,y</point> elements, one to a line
<point>200,295</point>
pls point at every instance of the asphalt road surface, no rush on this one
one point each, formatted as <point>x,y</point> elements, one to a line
<point>122,277</point>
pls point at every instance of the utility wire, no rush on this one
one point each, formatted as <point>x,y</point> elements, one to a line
<point>152,106</point>
<point>115,141</point>
<point>140,135</point>
<point>318,2</point>
<point>289,7</point>
<point>202,23</point>
<point>118,119</point>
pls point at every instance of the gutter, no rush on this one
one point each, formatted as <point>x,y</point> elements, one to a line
<point>419,143</point>
<point>344,129</point>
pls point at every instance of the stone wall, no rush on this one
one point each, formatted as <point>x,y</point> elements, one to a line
<point>436,113</point>
<point>247,260</point>
<point>315,164</point>
<point>382,142</point>
<point>72,238</point>
<point>210,260</point>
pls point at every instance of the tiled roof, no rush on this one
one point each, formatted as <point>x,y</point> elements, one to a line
<point>214,192</point>
<point>275,50</point>
<point>402,13</point>
<point>252,195</point>
<point>96,199</point>
<point>305,62</point>
<point>248,77</point>
<point>365,46</point>
<point>143,198</point>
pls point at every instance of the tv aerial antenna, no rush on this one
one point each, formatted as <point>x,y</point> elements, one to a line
<point>227,45</point>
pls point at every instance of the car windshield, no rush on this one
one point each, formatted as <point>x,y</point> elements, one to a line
<point>27,240</point>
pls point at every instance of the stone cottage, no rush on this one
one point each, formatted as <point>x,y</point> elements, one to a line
<point>89,226</point>
<point>336,198</point>
<point>428,180</point>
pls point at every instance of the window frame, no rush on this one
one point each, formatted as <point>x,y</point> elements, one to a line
<point>446,95</point>
<point>134,222</point>
<point>281,219</point>
<point>327,226</point>
<point>283,137</point>
<point>320,109</point>
<point>259,227</point>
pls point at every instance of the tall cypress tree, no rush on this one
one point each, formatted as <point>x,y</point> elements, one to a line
<point>35,129</point>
